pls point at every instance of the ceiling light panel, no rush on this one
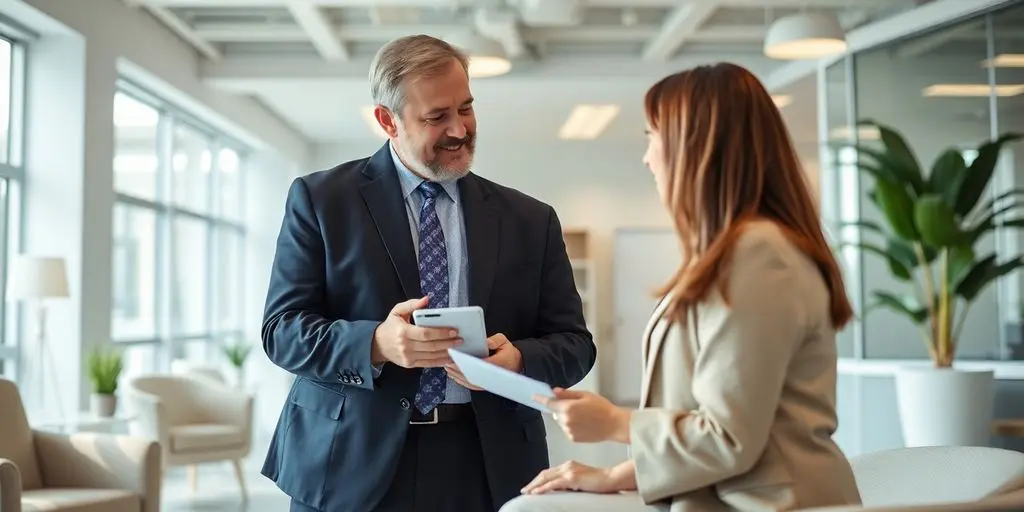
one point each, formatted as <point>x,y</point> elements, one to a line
<point>970,90</point>
<point>587,122</point>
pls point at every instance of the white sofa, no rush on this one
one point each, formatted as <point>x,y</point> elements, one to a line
<point>941,479</point>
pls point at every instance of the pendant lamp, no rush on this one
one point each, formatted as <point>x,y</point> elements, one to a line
<point>804,36</point>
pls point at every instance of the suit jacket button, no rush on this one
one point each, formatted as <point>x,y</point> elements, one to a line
<point>357,380</point>
<point>404,403</point>
<point>346,380</point>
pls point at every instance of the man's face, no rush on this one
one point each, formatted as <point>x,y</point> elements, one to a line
<point>435,135</point>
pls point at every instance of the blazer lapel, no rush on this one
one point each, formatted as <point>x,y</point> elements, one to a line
<point>483,230</point>
<point>383,197</point>
<point>654,336</point>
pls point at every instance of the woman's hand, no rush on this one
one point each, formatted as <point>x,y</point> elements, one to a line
<point>573,476</point>
<point>588,418</point>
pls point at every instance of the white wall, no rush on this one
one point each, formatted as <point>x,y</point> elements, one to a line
<point>73,67</point>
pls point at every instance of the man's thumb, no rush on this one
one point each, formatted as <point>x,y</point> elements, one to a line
<point>406,308</point>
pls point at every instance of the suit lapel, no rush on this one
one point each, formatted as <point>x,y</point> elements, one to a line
<point>654,336</point>
<point>383,197</point>
<point>483,228</point>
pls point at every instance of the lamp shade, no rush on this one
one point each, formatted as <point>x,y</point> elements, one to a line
<point>486,56</point>
<point>36,277</point>
<point>804,36</point>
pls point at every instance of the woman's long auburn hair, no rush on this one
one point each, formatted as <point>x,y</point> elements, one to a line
<point>729,160</point>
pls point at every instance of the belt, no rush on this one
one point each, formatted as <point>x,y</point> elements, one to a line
<point>443,413</point>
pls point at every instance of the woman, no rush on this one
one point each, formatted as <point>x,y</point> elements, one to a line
<point>738,397</point>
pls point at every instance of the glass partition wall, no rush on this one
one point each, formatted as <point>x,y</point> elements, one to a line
<point>953,87</point>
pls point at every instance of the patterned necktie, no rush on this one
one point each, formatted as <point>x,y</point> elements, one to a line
<point>433,262</point>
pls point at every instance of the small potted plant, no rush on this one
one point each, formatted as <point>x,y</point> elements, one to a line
<point>105,367</point>
<point>236,354</point>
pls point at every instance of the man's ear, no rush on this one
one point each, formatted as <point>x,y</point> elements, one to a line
<point>387,121</point>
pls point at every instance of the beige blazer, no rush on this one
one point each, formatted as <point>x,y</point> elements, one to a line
<point>738,407</point>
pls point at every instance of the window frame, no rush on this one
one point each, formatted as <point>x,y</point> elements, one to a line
<point>13,173</point>
<point>169,344</point>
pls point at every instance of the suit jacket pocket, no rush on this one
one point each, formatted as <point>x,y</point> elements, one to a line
<point>319,399</point>
<point>308,444</point>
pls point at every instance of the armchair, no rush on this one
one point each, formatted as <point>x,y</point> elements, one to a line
<point>195,419</point>
<point>81,472</point>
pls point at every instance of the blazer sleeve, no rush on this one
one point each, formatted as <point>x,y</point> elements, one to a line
<point>297,334</point>
<point>563,352</point>
<point>737,379</point>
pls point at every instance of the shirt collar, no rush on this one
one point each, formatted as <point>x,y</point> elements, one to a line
<point>410,181</point>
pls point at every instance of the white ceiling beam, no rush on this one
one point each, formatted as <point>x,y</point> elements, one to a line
<point>315,23</point>
<point>462,3</point>
<point>287,33</point>
<point>241,72</point>
<point>178,26</point>
<point>320,3</point>
<point>925,44</point>
<point>682,24</point>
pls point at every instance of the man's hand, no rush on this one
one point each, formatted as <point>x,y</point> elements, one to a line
<point>503,354</point>
<point>409,346</point>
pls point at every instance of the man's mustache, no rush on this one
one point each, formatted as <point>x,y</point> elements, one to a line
<point>451,141</point>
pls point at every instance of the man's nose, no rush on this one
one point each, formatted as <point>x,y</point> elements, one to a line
<point>456,128</point>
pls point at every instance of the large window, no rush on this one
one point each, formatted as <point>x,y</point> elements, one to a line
<point>947,89</point>
<point>11,177</point>
<point>178,237</point>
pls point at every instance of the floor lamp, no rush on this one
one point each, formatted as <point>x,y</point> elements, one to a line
<point>34,280</point>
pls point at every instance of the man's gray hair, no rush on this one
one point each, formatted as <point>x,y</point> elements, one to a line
<point>415,57</point>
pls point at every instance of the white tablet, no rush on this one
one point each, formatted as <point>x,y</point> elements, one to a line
<point>502,382</point>
<point>469,321</point>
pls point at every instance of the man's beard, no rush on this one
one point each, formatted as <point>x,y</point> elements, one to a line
<point>434,170</point>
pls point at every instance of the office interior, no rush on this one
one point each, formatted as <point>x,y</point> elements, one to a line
<point>146,148</point>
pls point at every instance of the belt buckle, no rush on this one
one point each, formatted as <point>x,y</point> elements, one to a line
<point>432,421</point>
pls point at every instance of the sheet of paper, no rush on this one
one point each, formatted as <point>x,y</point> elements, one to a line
<point>501,382</point>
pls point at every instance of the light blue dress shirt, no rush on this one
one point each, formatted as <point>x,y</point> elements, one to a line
<point>449,212</point>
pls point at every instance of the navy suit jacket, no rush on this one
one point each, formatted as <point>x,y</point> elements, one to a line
<point>344,258</point>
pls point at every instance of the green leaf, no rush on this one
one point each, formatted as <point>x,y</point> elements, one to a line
<point>975,278</point>
<point>897,265</point>
<point>947,175</point>
<point>960,260</point>
<point>884,166</point>
<point>984,273</point>
<point>980,173</point>
<point>900,155</point>
<point>898,209</point>
<point>868,225</point>
<point>906,306</point>
<point>936,221</point>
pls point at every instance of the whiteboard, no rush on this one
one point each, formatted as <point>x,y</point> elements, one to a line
<point>643,260</point>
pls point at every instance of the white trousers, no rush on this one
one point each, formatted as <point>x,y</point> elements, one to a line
<point>580,501</point>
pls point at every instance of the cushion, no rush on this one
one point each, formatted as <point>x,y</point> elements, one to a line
<point>202,437</point>
<point>80,500</point>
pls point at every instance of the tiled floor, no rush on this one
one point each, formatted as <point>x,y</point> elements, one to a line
<point>219,491</point>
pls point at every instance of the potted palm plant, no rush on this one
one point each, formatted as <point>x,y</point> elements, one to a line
<point>929,240</point>
<point>105,367</point>
<point>236,354</point>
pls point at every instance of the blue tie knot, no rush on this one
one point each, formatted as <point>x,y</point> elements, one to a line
<point>429,189</point>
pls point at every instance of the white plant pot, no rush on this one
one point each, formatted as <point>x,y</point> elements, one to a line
<point>945,406</point>
<point>102,406</point>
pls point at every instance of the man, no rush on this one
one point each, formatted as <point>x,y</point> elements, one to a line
<point>378,418</point>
